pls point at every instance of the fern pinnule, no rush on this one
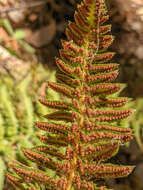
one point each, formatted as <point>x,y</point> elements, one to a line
<point>85,128</point>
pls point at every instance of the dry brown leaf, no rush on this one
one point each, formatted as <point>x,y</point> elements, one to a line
<point>3,34</point>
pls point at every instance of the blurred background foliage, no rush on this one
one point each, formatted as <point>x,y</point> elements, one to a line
<point>30,33</point>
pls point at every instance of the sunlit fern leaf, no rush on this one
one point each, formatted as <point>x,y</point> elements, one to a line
<point>84,130</point>
<point>18,110</point>
<point>137,121</point>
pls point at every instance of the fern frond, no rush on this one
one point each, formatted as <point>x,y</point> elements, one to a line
<point>33,175</point>
<point>61,105</point>
<point>85,129</point>
<point>51,151</point>
<point>18,110</point>
<point>55,141</point>
<point>105,171</point>
<point>63,89</point>
<point>15,181</point>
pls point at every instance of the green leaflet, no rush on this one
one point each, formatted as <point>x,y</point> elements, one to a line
<point>2,168</point>
<point>2,131</point>
<point>137,121</point>
<point>26,105</point>
<point>8,113</point>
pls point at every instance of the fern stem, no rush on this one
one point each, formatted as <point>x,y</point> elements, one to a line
<point>72,174</point>
<point>82,116</point>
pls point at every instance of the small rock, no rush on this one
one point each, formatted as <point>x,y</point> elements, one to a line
<point>16,16</point>
<point>136,26</point>
<point>13,65</point>
<point>42,36</point>
<point>139,52</point>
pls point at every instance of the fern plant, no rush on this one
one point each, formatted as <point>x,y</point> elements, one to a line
<point>85,129</point>
<point>18,110</point>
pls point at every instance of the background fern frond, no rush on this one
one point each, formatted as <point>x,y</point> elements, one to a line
<point>19,108</point>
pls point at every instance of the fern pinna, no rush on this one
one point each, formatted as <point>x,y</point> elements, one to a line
<point>85,129</point>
